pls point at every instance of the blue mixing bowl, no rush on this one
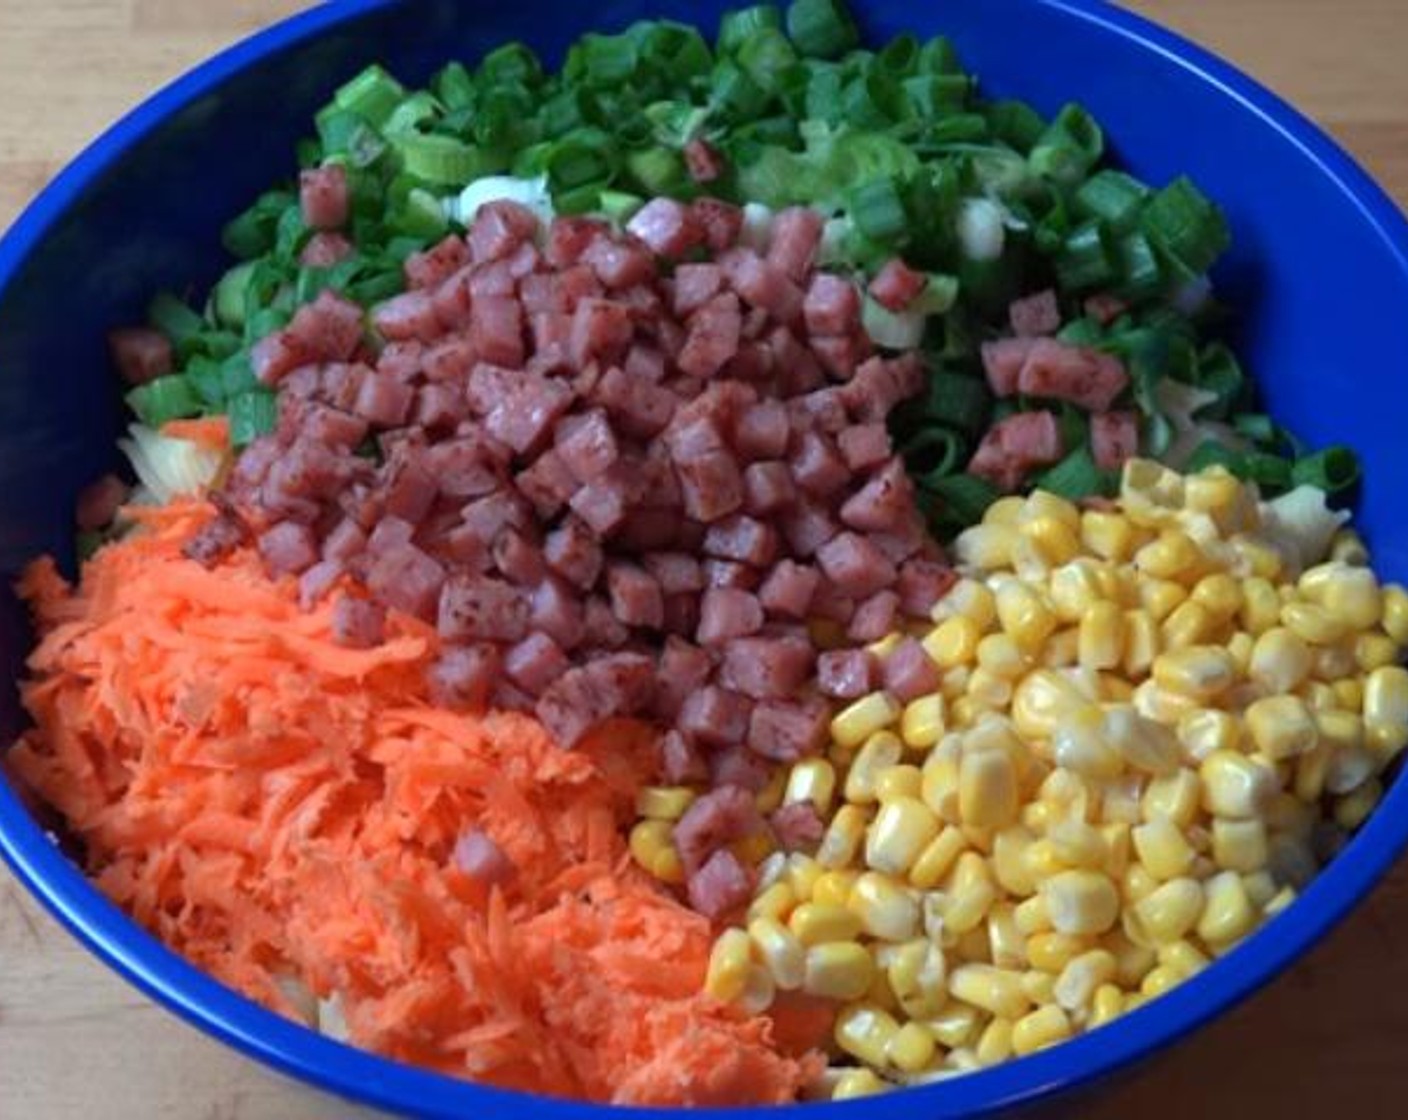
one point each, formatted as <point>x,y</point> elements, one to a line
<point>1319,277</point>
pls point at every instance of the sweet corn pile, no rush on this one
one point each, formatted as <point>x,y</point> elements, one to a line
<point>1155,723</point>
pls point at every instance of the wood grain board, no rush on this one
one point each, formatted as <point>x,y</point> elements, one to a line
<point>1330,1037</point>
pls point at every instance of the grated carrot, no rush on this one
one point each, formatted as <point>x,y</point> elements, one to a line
<point>273,805</point>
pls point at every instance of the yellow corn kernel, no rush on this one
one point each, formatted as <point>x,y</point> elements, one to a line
<point>912,1048</point>
<point>1208,730</point>
<point>1159,981</point>
<point>1350,594</point>
<point>1261,606</point>
<point>965,908</point>
<point>1188,625</point>
<point>653,847</point>
<point>955,1026</point>
<point>1385,700</point>
<point>922,723</point>
<point>954,642</point>
<point>1279,902</point>
<point>971,599</point>
<point>882,750</point>
<point>814,780</point>
<point>863,718</point>
<point>1043,503</point>
<point>1313,771</point>
<point>820,923</point>
<point>1000,655</point>
<point>1132,959</point>
<point>1144,744</point>
<point>899,781</point>
<point>1260,887</point>
<point>1227,912</point>
<point>1240,646</point>
<point>1239,845</point>
<point>1052,951</point>
<point>664,803</point>
<point>1137,883</point>
<point>1375,651</point>
<point>1280,660</point>
<point>865,1032</point>
<point>1078,844</point>
<point>1213,491</point>
<point>987,789</point>
<point>1184,957</point>
<point>1220,595</point>
<point>1032,916</point>
<point>1172,556</point>
<point>995,1043</point>
<point>1161,597</point>
<point>856,1084</point>
<point>987,547</point>
<point>995,990</point>
<point>777,901</point>
<point>1200,672</point>
<point>840,970</point>
<point>1040,987</point>
<point>938,856</point>
<point>1005,511</point>
<point>1142,641</point>
<point>1041,700</point>
<point>918,975</point>
<point>1395,613</point>
<point>1353,809</point>
<point>1023,615</point>
<point>1281,727</point>
<point>1107,535</point>
<point>729,963</point>
<point>833,887</point>
<point>1074,588</point>
<point>1166,914</point>
<point>752,850</point>
<point>1349,694</point>
<point>1163,849</point>
<point>1235,785</point>
<point>1256,557</point>
<point>802,874</point>
<point>1101,640</point>
<point>780,951</point>
<point>1312,623</point>
<point>1082,977</point>
<point>1062,649</point>
<point>986,690</point>
<point>1081,902</point>
<point>1348,548</point>
<point>1330,663</point>
<point>1106,1006</point>
<point>883,647</point>
<point>885,909</point>
<point>900,833</point>
<point>1044,1027</point>
<point>1006,945</point>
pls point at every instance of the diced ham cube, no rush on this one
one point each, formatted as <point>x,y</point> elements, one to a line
<point>1105,308</point>
<point>675,572</point>
<point>897,285</point>
<point>407,580</point>
<point>847,674</point>
<point>288,549</point>
<point>882,383</point>
<point>408,316</point>
<point>534,663</point>
<point>1035,315</point>
<point>325,250</point>
<point>275,356</point>
<point>728,613</point>
<point>730,573</point>
<point>601,330</point>
<point>684,671</point>
<point>496,329</point>
<point>431,268</point>
<point>883,503</point>
<point>1015,446</point>
<point>215,541</point>
<point>762,431</point>
<point>763,284</point>
<point>855,566</point>
<point>518,558</point>
<point>738,766</point>
<point>410,489</point>
<point>705,162</point>
<point>556,610</point>
<point>798,827</point>
<point>768,488</point>
<point>587,445</point>
<point>714,821</point>
<point>569,237</point>
<point>789,589</point>
<point>695,285</point>
<point>720,887</point>
<point>525,417</point>
<point>795,240</point>
<point>875,617</point>
<point>635,595</point>
<point>1078,374</point>
<point>641,408</point>
<point>464,676</point>
<point>715,717</point>
<point>358,623</point>
<point>839,355</point>
<point>548,484</point>
<point>605,502</point>
<point>818,467</point>
<point>682,614</point>
<point>785,731</point>
<point>439,408</point>
<point>324,197</point>
<point>910,673</point>
<point>722,223</point>
<point>574,553</point>
<point>711,486</point>
<point>668,227</point>
<point>713,338</point>
<point>1114,439</point>
<point>807,527</point>
<point>742,539</point>
<point>143,355</point>
<point>767,668</point>
<point>832,305</point>
<point>384,401</point>
<point>499,228</point>
<point>619,266</point>
<point>921,584</point>
<point>680,761</point>
<point>478,609</point>
<point>489,280</point>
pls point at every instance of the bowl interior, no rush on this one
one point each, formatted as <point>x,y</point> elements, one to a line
<point>1318,279</point>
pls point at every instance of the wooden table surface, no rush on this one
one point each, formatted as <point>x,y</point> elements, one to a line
<point>75,1042</point>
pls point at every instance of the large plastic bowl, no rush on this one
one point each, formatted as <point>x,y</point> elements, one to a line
<point>1319,276</point>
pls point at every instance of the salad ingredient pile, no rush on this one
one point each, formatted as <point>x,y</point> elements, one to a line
<point>1144,730</point>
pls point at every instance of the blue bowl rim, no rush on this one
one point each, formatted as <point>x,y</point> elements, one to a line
<point>368,1079</point>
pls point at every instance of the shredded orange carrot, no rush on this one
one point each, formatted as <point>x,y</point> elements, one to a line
<point>276,806</point>
<point>210,432</point>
